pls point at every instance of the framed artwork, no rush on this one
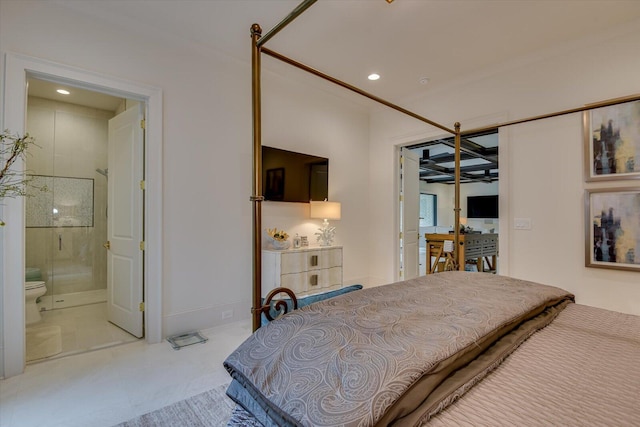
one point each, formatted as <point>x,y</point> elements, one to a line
<point>274,188</point>
<point>612,234</point>
<point>612,142</point>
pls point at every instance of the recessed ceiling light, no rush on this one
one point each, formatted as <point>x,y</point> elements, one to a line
<point>424,80</point>
<point>63,91</point>
<point>373,76</point>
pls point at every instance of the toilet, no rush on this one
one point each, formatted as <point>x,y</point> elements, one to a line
<point>32,291</point>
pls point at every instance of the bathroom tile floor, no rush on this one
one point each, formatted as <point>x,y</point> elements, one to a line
<point>83,328</point>
<point>105,387</point>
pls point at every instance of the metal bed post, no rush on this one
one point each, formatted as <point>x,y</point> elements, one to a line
<point>257,197</point>
<point>456,233</point>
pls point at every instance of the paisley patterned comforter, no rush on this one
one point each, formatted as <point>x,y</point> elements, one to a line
<point>393,354</point>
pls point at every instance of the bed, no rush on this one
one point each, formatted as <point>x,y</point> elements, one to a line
<point>258,48</point>
<point>454,348</point>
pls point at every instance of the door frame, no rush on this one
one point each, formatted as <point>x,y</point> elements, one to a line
<point>503,186</point>
<point>17,68</point>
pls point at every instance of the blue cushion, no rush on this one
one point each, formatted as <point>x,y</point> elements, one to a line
<point>308,300</point>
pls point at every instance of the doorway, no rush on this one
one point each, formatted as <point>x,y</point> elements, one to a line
<point>18,68</point>
<point>68,219</point>
<point>479,169</point>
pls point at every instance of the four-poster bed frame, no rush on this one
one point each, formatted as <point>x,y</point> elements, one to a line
<point>257,198</point>
<point>418,351</point>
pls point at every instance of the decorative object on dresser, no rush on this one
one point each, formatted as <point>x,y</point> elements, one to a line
<point>305,271</point>
<point>325,211</point>
<point>277,240</point>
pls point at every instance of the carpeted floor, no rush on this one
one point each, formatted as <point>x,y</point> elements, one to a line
<point>209,409</point>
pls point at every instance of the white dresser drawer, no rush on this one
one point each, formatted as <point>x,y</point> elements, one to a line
<point>312,281</point>
<point>305,260</point>
<point>293,262</point>
<point>297,282</point>
<point>305,270</point>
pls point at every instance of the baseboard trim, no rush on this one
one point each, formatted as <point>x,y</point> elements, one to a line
<point>205,318</point>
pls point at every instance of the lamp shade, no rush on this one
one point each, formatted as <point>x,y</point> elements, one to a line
<point>325,210</point>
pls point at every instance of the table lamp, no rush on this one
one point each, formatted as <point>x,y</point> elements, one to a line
<point>326,211</point>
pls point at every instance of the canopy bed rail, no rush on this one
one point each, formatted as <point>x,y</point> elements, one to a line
<point>258,42</point>
<point>293,15</point>
<point>587,107</point>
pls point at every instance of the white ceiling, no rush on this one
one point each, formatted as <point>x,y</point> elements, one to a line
<point>77,96</point>
<point>447,41</point>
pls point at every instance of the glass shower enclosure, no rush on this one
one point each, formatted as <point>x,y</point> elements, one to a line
<point>66,206</point>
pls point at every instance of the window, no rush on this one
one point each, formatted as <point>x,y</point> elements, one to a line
<point>428,210</point>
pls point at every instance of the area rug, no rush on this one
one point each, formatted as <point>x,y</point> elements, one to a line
<point>209,409</point>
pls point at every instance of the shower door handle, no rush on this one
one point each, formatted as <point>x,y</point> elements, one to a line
<point>107,245</point>
<point>59,242</point>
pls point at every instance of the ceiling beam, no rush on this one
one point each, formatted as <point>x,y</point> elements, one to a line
<point>491,155</point>
<point>439,170</point>
<point>447,180</point>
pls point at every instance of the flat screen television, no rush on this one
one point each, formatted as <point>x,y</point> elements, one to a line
<point>288,176</point>
<point>482,206</point>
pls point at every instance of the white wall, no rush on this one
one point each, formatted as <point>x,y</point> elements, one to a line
<point>541,174</point>
<point>207,151</point>
<point>322,127</point>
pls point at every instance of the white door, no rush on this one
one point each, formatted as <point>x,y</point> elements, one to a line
<point>124,222</point>
<point>410,214</point>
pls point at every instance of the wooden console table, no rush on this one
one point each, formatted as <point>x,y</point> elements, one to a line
<point>478,247</point>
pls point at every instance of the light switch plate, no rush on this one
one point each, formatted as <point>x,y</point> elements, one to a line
<point>522,223</point>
